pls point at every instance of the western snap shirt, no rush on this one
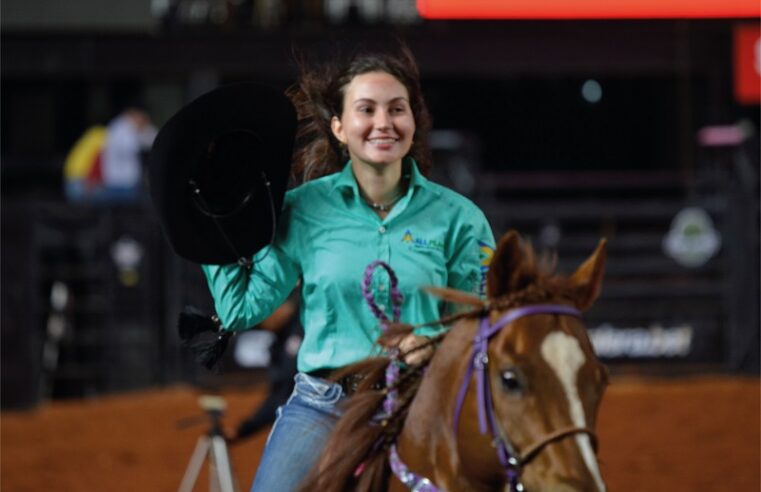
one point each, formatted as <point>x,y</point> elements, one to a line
<point>327,235</point>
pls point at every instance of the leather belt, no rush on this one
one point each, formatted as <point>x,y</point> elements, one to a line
<point>348,383</point>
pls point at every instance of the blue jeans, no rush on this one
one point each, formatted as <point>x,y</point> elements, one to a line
<point>298,434</point>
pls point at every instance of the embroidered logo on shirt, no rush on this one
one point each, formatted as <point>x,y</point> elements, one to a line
<point>422,243</point>
<point>486,254</point>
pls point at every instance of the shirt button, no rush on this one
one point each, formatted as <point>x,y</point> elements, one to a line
<point>382,287</point>
<point>382,307</point>
<point>382,229</point>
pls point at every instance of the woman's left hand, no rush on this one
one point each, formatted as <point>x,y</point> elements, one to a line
<point>415,357</point>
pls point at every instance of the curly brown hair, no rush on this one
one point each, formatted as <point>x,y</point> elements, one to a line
<point>319,95</point>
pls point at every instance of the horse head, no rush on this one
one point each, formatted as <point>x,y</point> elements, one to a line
<point>543,382</point>
<point>545,375</point>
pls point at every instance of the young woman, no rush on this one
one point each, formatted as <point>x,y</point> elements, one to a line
<point>363,156</point>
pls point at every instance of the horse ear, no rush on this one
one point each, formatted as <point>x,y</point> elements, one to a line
<point>504,271</point>
<point>586,281</point>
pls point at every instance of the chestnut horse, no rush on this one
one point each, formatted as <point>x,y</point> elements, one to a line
<point>508,400</point>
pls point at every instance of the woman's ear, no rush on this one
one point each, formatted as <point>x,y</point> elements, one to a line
<point>338,129</point>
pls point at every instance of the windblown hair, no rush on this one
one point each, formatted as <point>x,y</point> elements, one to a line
<point>355,457</point>
<point>318,96</point>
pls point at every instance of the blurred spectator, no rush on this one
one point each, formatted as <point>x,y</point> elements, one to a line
<point>129,135</point>
<point>82,169</point>
<point>106,163</point>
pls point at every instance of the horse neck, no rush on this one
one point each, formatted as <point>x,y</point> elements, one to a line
<point>427,435</point>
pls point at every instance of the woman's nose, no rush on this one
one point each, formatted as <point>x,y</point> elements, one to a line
<point>382,120</point>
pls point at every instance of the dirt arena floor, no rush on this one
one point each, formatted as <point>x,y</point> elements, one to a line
<point>681,434</point>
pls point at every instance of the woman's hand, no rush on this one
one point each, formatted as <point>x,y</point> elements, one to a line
<point>411,341</point>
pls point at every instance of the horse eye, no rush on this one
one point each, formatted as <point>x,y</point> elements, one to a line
<point>511,382</point>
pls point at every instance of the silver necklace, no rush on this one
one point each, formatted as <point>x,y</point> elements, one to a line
<point>384,207</point>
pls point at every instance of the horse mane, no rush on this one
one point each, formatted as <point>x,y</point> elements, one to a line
<point>355,457</point>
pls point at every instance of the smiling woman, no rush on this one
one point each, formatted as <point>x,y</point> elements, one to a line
<point>363,154</point>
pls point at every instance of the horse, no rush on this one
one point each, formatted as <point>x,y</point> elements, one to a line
<point>507,401</point>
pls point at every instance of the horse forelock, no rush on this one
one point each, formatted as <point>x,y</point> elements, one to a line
<point>543,288</point>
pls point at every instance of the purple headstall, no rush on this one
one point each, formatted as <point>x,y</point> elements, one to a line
<point>479,362</point>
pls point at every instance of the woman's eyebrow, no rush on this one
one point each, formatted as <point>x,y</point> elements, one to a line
<point>370,100</point>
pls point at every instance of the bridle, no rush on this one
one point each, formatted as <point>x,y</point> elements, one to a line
<point>511,461</point>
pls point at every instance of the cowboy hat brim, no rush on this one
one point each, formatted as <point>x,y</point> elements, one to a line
<point>218,171</point>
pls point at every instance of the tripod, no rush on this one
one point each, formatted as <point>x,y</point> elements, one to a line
<point>213,446</point>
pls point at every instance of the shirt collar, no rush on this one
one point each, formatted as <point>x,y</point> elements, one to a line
<point>346,178</point>
<point>417,180</point>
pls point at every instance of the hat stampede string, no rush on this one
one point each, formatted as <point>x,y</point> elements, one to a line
<point>204,335</point>
<point>204,208</point>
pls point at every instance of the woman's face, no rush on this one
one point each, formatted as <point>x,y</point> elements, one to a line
<point>377,124</point>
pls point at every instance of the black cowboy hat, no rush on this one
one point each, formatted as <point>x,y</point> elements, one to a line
<point>218,171</point>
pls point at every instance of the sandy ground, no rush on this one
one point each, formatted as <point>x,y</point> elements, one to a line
<point>680,434</point>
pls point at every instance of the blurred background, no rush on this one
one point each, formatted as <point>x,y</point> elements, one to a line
<point>566,130</point>
<point>641,126</point>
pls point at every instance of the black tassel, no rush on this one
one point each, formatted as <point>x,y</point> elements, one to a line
<point>208,352</point>
<point>203,335</point>
<point>193,322</point>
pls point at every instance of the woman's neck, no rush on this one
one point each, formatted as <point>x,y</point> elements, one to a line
<point>381,184</point>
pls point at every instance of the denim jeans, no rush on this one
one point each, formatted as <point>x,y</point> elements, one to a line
<point>298,434</point>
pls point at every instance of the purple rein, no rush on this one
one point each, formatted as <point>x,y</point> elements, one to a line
<point>390,402</point>
<point>396,296</point>
<point>410,479</point>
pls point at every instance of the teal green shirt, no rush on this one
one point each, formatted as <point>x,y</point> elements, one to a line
<point>327,235</point>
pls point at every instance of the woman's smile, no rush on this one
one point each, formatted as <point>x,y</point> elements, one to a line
<point>383,143</point>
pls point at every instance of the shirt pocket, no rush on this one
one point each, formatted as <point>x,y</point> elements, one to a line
<point>421,267</point>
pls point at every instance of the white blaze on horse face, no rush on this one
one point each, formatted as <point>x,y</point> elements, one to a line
<point>564,355</point>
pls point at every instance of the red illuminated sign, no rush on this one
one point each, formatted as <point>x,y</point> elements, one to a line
<point>747,63</point>
<point>588,9</point>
